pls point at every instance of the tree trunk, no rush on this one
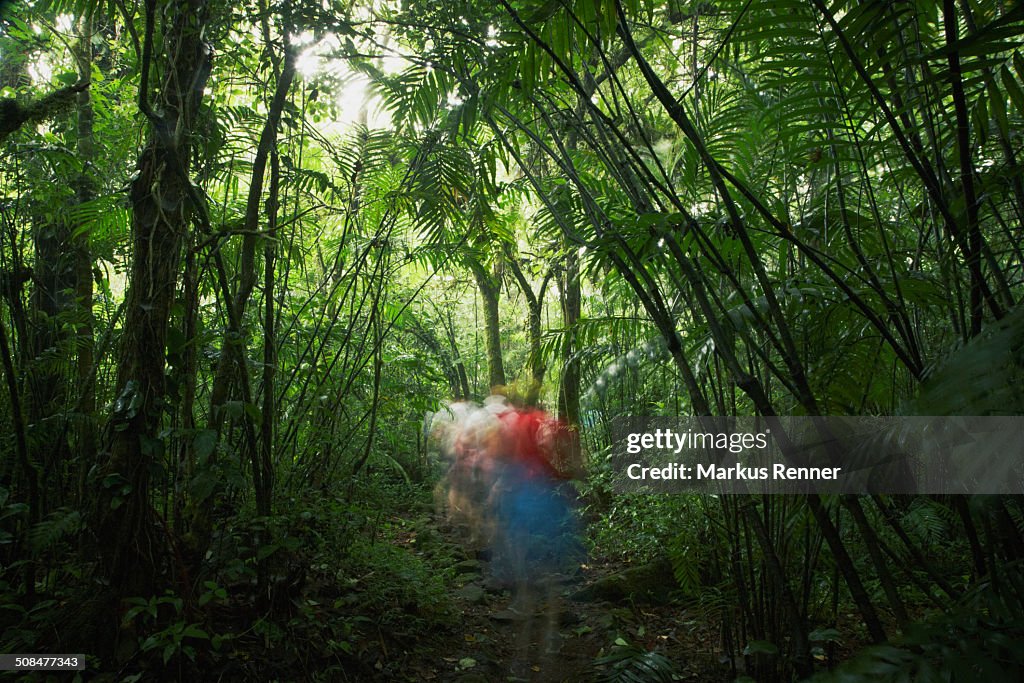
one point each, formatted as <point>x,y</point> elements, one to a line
<point>490,289</point>
<point>569,388</point>
<point>460,370</point>
<point>86,191</point>
<point>867,532</point>
<point>269,329</point>
<point>534,303</point>
<point>163,201</point>
<point>28,468</point>
<point>847,568</point>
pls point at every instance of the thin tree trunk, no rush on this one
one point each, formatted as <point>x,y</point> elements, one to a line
<point>269,329</point>
<point>490,289</point>
<point>247,268</point>
<point>867,532</point>
<point>232,362</point>
<point>28,468</point>
<point>963,145</point>
<point>797,626</point>
<point>571,300</point>
<point>534,303</point>
<point>86,190</point>
<point>847,568</point>
<point>960,504</point>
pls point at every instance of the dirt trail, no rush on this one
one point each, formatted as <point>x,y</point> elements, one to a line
<point>484,647</point>
<point>491,627</point>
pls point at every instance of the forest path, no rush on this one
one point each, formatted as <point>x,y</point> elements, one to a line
<point>490,647</point>
<point>592,617</point>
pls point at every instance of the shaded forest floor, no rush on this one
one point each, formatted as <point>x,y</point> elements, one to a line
<point>597,617</point>
<point>396,596</point>
<point>400,596</point>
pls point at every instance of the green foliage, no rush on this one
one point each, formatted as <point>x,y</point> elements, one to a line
<point>627,663</point>
<point>178,638</point>
<point>992,361</point>
<point>636,527</point>
<point>48,532</point>
<point>960,647</point>
<point>930,521</point>
<point>405,595</point>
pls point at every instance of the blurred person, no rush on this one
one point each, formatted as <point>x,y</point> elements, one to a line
<point>536,534</point>
<point>508,484</point>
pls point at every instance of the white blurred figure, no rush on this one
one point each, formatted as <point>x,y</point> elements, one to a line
<point>469,436</point>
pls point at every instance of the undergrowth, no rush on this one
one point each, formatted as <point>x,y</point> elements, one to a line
<point>344,596</point>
